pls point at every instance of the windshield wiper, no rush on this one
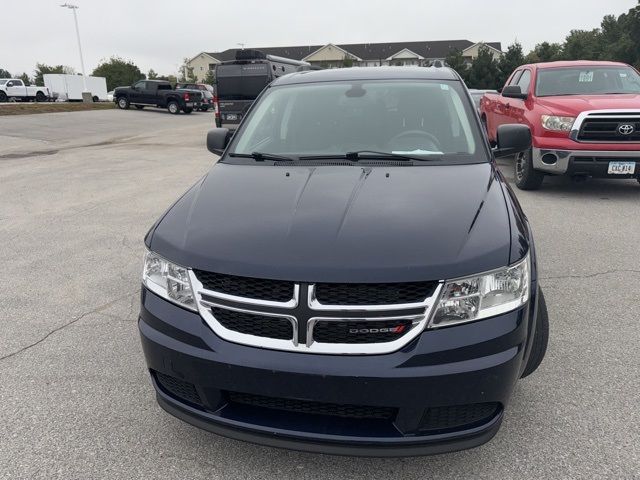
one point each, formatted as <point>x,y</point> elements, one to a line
<point>368,155</point>
<point>261,156</point>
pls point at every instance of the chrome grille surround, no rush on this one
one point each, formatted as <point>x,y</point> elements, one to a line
<point>304,312</point>
<point>611,115</point>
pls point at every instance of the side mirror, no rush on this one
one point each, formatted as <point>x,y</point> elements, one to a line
<point>514,91</point>
<point>512,139</point>
<point>218,139</point>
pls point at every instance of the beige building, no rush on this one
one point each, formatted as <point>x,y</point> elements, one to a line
<point>356,54</point>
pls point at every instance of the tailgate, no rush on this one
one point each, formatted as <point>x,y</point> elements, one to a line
<point>233,111</point>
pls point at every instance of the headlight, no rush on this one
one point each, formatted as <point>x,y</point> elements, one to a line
<point>557,124</point>
<point>168,280</point>
<point>473,298</point>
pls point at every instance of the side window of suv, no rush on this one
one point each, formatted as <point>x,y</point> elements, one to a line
<point>525,81</point>
<point>141,85</point>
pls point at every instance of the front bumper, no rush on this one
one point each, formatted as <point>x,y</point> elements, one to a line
<point>592,163</point>
<point>465,365</point>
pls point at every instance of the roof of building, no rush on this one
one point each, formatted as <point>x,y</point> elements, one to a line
<point>366,51</point>
<point>381,73</point>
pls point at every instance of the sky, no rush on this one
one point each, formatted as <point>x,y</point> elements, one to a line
<point>159,34</point>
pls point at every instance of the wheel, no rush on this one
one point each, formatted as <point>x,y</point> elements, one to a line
<point>95,99</point>
<point>123,103</point>
<point>540,338</point>
<point>3,97</point>
<point>173,107</point>
<point>40,97</point>
<point>527,178</point>
<point>139,107</point>
<point>188,110</point>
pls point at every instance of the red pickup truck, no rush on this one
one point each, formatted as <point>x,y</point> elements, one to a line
<point>584,119</point>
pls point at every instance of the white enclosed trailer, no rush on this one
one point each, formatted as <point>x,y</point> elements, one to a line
<point>70,87</point>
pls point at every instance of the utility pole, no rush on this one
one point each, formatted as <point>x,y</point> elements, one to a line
<point>73,8</point>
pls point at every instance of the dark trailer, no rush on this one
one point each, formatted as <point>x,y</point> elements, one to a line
<point>240,81</point>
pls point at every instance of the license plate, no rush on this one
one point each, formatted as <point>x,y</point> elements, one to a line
<point>622,168</point>
<point>232,116</point>
<point>189,104</point>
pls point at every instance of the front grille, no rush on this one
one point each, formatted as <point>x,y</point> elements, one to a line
<point>607,130</point>
<point>254,324</point>
<point>180,389</point>
<point>373,293</point>
<point>313,408</point>
<point>360,332</point>
<point>257,288</point>
<point>443,418</point>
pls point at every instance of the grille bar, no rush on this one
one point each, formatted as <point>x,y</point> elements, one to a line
<point>312,407</point>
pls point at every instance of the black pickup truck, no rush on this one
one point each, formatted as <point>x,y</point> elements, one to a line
<point>157,93</point>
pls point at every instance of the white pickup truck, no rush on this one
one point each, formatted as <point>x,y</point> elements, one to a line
<point>14,88</point>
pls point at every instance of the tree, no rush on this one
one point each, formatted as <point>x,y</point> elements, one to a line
<point>25,78</point>
<point>347,62</point>
<point>210,78</point>
<point>456,60</point>
<point>172,79</point>
<point>511,60</point>
<point>152,75</point>
<point>186,72</point>
<point>42,69</point>
<point>4,73</point>
<point>118,72</point>
<point>545,52</point>
<point>583,45</point>
<point>484,72</point>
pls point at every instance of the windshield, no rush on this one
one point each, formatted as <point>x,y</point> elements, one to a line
<point>417,118</point>
<point>587,81</point>
<point>3,81</point>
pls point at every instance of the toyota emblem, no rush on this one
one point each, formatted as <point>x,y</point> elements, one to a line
<point>626,129</point>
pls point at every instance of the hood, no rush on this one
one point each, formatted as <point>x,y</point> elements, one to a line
<point>340,223</point>
<point>572,105</point>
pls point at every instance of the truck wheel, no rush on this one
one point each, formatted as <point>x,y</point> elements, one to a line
<point>139,107</point>
<point>95,99</point>
<point>123,103</point>
<point>540,338</point>
<point>173,107</point>
<point>188,110</point>
<point>40,97</point>
<point>3,97</point>
<point>527,178</point>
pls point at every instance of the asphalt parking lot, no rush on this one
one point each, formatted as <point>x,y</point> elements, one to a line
<point>78,192</point>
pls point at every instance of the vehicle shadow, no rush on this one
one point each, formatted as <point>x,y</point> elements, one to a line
<point>566,187</point>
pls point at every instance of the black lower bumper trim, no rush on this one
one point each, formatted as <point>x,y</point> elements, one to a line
<point>373,447</point>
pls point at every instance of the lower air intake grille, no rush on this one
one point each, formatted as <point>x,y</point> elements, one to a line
<point>360,332</point>
<point>257,288</point>
<point>442,418</point>
<point>180,389</point>
<point>373,293</point>
<point>313,408</point>
<point>254,324</point>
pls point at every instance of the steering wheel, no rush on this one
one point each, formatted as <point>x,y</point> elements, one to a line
<point>415,134</point>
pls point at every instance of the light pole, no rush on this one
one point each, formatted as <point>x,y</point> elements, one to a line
<point>75,19</point>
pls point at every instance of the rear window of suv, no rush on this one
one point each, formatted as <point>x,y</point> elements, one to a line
<point>430,118</point>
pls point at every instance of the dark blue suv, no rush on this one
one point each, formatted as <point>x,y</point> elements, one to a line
<point>353,276</point>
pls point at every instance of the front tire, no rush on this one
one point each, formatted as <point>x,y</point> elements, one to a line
<point>527,178</point>
<point>123,103</point>
<point>540,338</point>
<point>173,107</point>
<point>3,97</point>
